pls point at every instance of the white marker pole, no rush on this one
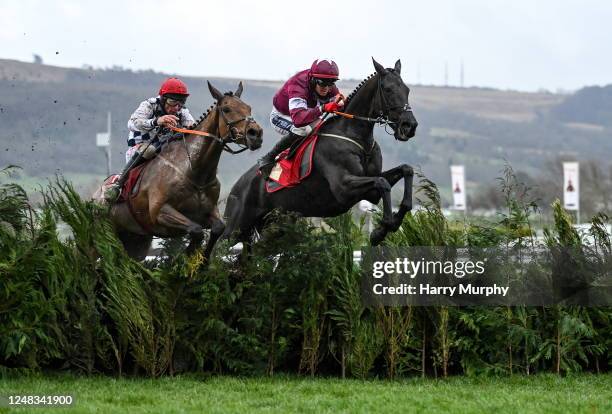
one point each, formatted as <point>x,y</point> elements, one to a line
<point>108,148</point>
<point>103,141</point>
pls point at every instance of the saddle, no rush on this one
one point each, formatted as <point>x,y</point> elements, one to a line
<point>293,165</point>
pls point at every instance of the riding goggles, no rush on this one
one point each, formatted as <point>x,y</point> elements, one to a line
<point>175,102</point>
<point>325,82</point>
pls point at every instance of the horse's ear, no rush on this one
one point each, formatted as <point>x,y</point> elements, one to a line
<point>379,68</point>
<point>239,90</point>
<point>214,92</point>
<point>398,67</point>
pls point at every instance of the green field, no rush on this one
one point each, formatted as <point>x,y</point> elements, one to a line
<point>191,394</point>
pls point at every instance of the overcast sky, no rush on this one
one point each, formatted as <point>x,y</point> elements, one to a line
<point>520,44</point>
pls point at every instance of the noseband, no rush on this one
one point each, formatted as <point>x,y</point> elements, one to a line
<point>231,137</point>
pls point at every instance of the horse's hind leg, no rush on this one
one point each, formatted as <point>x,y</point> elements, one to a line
<point>393,176</point>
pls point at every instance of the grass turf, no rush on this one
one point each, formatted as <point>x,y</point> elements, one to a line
<point>190,394</point>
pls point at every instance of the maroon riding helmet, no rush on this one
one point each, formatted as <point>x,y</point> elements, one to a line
<point>324,69</point>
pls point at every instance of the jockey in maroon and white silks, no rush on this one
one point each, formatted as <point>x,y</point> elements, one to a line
<point>299,103</point>
<point>298,99</point>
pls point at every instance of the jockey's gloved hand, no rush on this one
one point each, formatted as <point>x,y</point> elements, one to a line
<point>330,107</point>
<point>167,121</point>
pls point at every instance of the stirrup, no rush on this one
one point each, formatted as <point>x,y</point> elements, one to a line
<point>265,169</point>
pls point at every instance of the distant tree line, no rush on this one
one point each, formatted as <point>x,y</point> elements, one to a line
<point>591,105</point>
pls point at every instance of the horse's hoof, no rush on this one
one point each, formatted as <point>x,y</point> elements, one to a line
<point>377,236</point>
<point>395,224</point>
<point>195,230</point>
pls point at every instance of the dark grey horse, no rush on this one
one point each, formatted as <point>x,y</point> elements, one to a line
<point>347,165</point>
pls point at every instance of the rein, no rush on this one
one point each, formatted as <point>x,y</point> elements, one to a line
<point>380,120</point>
<point>226,140</point>
<point>194,132</point>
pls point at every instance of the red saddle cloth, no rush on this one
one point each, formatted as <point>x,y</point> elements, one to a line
<point>290,172</point>
<point>131,186</point>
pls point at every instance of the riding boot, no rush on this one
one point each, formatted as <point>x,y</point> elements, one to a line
<point>112,193</point>
<point>266,162</point>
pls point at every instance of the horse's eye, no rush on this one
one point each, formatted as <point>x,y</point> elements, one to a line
<point>226,109</point>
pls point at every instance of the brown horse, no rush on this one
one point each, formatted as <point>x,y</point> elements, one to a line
<point>179,189</point>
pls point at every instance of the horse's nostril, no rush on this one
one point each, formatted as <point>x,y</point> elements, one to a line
<point>252,132</point>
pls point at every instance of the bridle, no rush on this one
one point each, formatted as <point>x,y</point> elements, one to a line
<point>231,137</point>
<point>386,110</point>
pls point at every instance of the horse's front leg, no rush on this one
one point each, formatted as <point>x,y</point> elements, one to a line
<point>171,218</point>
<point>355,187</point>
<point>137,246</point>
<point>393,176</point>
<point>217,227</point>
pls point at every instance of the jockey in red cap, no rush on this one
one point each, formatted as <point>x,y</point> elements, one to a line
<point>150,121</point>
<point>298,105</point>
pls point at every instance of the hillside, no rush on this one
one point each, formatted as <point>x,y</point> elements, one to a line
<point>50,116</point>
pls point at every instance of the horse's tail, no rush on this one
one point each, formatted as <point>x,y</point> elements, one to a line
<point>235,208</point>
<point>231,216</point>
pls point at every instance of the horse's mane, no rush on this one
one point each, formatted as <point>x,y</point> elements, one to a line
<point>207,112</point>
<point>358,87</point>
<point>363,82</point>
<point>203,116</point>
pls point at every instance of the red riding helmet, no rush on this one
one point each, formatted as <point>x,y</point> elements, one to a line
<point>173,86</point>
<point>324,68</point>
